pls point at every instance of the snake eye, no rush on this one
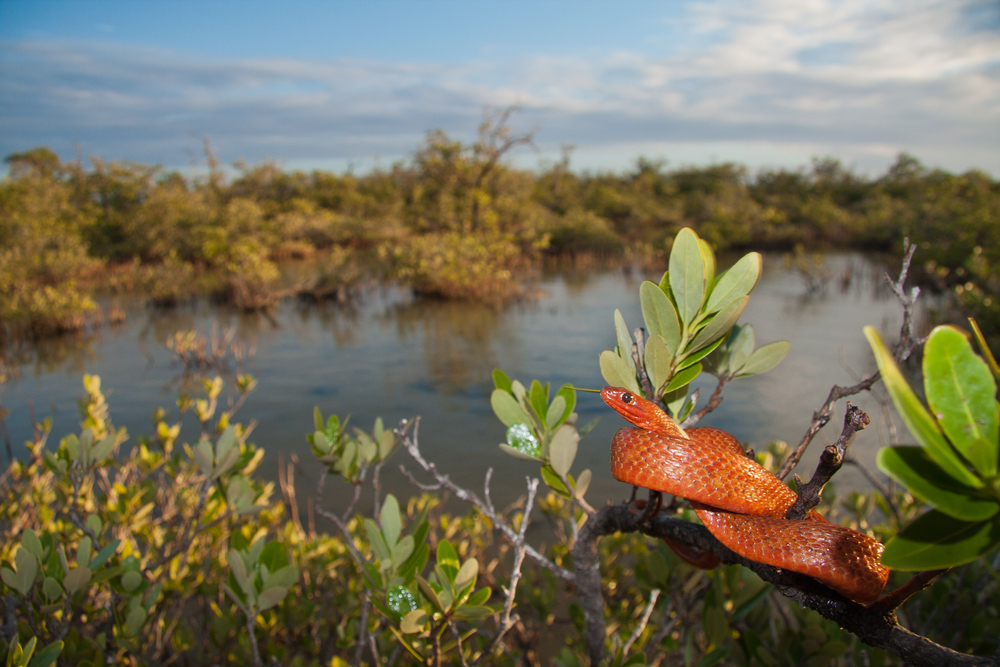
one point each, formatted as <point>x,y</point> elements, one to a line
<point>627,398</point>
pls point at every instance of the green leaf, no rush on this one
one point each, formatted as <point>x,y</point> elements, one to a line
<point>379,546</point>
<point>271,597</point>
<point>538,398</point>
<point>202,453</point>
<point>272,554</point>
<point>984,349</point>
<point>446,554</point>
<point>135,620</point>
<point>283,577</point>
<point>687,275</point>
<point>715,624</point>
<point>417,561</point>
<point>521,439</point>
<point>738,281</point>
<point>391,523</point>
<point>47,656</point>
<point>660,316</point>
<point>552,479</point>
<point>131,580</point>
<point>27,568</point>
<point>569,396</point>
<point>683,378</point>
<point>518,454</point>
<point>401,600</point>
<point>467,574</point>
<point>31,543</point>
<point>103,449</point>
<point>748,606</point>
<point>961,393</point>
<point>562,449</point>
<point>414,621</point>
<point>764,358</point>
<point>76,579</point>
<point>715,657</point>
<point>617,374</point>
<point>318,418</point>
<point>225,463</point>
<point>936,540</point>
<point>624,340</point>
<point>402,551</point>
<point>635,660</point>
<point>52,590</point>
<point>913,468</point>
<point>555,412</point>
<point>225,442</point>
<point>700,354</point>
<point>239,570</point>
<point>479,597</point>
<point>582,483</point>
<point>720,324</point>
<point>741,344</point>
<point>507,409</point>
<point>429,593</point>
<point>708,258</point>
<point>500,380</point>
<point>471,613</point>
<point>658,360</point>
<point>917,420</point>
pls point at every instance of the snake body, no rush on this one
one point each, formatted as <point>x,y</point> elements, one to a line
<point>738,500</point>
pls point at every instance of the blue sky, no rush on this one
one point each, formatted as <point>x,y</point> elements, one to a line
<point>338,84</point>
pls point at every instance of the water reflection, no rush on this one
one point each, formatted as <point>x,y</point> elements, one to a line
<point>393,356</point>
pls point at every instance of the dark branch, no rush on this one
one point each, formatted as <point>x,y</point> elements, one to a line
<point>875,624</point>
<point>830,461</point>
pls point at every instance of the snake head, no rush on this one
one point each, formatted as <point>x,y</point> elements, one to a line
<point>640,412</point>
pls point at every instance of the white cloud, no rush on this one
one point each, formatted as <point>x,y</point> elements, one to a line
<point>858,80</point>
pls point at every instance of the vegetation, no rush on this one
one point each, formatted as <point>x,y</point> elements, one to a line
<point>176,554</point>
<point>455,221</point>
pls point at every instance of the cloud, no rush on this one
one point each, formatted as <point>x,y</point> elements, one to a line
<point>859,80</point>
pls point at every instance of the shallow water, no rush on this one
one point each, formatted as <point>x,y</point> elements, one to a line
<point>394,356</point>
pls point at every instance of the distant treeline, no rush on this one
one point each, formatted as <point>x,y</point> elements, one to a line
<point>455,221</point>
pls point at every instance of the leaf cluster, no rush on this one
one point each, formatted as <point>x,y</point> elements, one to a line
<point>955,466</point>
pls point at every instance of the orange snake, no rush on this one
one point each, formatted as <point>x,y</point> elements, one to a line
<point>738,500</point>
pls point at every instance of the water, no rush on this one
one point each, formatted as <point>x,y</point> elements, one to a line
<point>393,356</point>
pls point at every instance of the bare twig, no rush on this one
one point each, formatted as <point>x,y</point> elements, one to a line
<point>507,621</point>
<point>713,402</point>
<point>653,595</point>
<point>251,623</point>
<point>904,348</point>
<point>410,442</point>
<point>362,630</point>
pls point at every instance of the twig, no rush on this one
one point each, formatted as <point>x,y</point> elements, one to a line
<point>830,461</point>
<point>639,356</point>
<point>506,621</point>
<point>412,446</point>
<point>904,348</point>
<point>362,630</point>
<point>713,402</point>
<point>655,593</point>
<point>251,623</point>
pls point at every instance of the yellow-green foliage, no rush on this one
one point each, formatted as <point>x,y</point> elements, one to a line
<point>60,223</point>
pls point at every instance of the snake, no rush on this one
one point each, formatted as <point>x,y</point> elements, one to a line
<point>740,502</point>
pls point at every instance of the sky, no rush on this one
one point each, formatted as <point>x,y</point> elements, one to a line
<point>357,84</point>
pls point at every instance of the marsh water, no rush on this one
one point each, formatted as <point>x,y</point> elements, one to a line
<point>392,355</point>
